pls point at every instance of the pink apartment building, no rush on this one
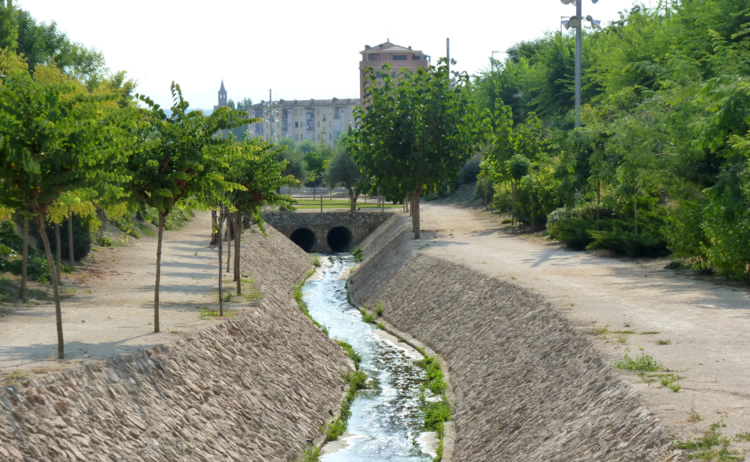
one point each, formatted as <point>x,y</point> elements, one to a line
<point>399,57</point>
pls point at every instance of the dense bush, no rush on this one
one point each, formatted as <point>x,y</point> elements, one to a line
<point>469,172</point>
<point>81,238</point>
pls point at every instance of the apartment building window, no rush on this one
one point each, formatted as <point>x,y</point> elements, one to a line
<point>399,57</point>
<point>337,113</point>
<point>416,57</point>
<point>310,120</point>
<point>296,124</point>
<point>373,57</point>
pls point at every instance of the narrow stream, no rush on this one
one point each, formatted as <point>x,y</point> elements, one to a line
<point>386,420</point>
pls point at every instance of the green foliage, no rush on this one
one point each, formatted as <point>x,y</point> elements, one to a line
<point>469,171</point>
<point>436,410</point>
<point>350,352</point>
<point>642,363</point>
<point>367,317</point>
<point>379,309</point>
<point>357,253</point>
<point>311,454</point>
<point>357,381</point>
<point>711,446</point>
<point>413,135</point>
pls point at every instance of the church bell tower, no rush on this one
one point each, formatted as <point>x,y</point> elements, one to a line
<point>222,95</point>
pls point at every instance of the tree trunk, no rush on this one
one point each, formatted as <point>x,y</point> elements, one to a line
<point>415,211</point>
<point>160,235</point>
<point>221,266</point>
<point>352,200</point>
<point>229,241</point>
<point>25,260</point>
<point>71,254</point>
<point>598,201</point>
<point>214,229</point>
<point>55,287</point>
<point>237,248</point>
<point>58,251</point>
<point>635,213</point>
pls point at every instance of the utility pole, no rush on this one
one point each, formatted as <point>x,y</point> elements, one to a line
<point>579,32</point>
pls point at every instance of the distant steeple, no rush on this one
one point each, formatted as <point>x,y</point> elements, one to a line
<point>222,95</point>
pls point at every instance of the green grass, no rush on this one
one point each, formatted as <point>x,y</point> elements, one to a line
<point>316,262</point>
<point>663,341</point>
<point>642,363</point>
<point>379,309</point>
<point>367,317</point>
<point>311,454</point>
<point>357,253</point>
<point>437,412</point>
<point>350,351</point>
<point>711,446</point>
<point>306,204</point>
<point>357,381</point>
<point>207,313</point>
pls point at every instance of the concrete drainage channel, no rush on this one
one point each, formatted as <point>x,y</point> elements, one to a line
<point>386,418</point>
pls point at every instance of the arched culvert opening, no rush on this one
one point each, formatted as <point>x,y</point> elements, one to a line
<point>340,239</point>
<point>304,238</point>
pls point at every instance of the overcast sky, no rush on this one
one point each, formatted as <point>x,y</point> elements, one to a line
<point>299,49</point>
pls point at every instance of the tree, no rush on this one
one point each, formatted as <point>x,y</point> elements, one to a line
<point>415,132</point>
<point>174,163</point>
<point>54,140</point>
<point>342,170</point>
<point>244,104</point>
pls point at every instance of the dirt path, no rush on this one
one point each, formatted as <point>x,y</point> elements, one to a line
<point>111,312</point>
<point>697,329</point>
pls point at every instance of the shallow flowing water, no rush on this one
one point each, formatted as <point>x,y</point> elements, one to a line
<point>386,421</point>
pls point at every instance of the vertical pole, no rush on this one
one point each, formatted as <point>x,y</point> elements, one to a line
<point>579,32</point>
<point>321,203</point>
<point>270,112</point>
<point>448,55</point>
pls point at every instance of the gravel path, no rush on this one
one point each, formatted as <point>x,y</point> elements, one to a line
<point>697,329</point>
<point>111,312</point>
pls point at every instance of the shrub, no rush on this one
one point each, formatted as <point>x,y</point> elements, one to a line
<point>469,172</point>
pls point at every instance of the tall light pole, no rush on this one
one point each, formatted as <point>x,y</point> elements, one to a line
<point>577,22</point>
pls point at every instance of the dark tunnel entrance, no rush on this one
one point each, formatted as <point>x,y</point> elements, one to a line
<point>340,239</point>
<point>304,238</point>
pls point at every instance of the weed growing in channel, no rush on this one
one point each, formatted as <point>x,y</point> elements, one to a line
<point>379,309</point>
<point>436,411</point>
<point>711,446</point>
<point>316,262</point>
<point>663,341</point>
<point>643,363</point>
<point>311,454</point>
<point>367,317</point>
<point>357,253</point>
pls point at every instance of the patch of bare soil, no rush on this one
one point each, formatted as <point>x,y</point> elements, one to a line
<point>698,330</point>
<point>108,304</point>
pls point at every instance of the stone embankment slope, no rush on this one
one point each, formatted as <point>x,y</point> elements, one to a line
<point>253,388</point>
<point>527,385</point>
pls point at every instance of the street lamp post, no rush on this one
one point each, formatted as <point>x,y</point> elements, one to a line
<point>577,22</point>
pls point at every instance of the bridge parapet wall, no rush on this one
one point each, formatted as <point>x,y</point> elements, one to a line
<point>333,231</point>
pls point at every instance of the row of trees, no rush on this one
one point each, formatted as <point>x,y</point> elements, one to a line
<point>661,163</point>
<point>65,142</point>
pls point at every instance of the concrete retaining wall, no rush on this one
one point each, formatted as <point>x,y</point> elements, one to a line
<point>250,389</point>
<point>527,385</point>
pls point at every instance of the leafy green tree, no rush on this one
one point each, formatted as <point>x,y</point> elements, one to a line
<point>54,140</point>
<point>174,164</point>
<point>415,132</point>
<point>342,170</point>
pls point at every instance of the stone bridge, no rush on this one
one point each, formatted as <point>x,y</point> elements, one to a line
<point>328,231</point>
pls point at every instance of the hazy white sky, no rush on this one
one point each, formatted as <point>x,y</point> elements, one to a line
<point>300,49</point>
